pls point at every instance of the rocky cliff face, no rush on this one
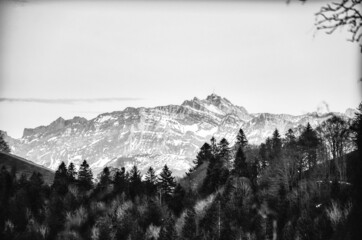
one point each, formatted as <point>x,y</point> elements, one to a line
<point>147,137</point>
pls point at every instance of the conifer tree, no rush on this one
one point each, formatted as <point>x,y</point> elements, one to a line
<point>151,176</point>
<point>61,173</point>
<point>224,152</point>
<point>203,155</point>
<point>151,182</point>
<point>166,183</point>
<point>60,184</point>
<point>120,181</point>
<point>135,181</point>
<point>72,173</point>
<point>276,145</point>
<point>85,177</point>
<point>240,165</point>
<point>105,178</point>
<point>290,139</point>
<point>241,139</point>
<point>4,146</point>
<point>214,148</point>
<point>309,143</point>
<point>218,169</point>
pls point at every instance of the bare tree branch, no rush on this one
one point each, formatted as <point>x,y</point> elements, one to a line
<point>346,13</point>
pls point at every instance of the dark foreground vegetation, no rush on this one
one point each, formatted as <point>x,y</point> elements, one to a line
<point>304,185</point>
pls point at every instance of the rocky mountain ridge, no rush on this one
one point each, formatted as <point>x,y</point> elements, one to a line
<point>147,137</point>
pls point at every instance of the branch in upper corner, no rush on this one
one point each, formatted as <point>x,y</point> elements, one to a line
<point>337,15</point>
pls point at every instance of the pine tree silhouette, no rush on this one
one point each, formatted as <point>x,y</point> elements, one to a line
<point>276,146</point>
<point>60,184</point>
<point>120,181</point>
<point>85,177</point>
<point>72,173</point>
<point>166,183</point>
<point>309,143</point>
<point>151,182</point>
<point>135,181</point>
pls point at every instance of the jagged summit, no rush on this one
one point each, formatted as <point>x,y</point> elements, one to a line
<point>57,124</point>
<point>217,105</point>
<point>216,99</point>
<point>211,99</point>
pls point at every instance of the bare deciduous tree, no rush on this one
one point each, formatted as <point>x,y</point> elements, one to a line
<point>337,15</point>
<point>337,136</point>
<point>338,140</point>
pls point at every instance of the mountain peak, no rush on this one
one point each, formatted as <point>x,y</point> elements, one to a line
<point>217,100</point>
<point>59,119</point>
<point>213,98</point>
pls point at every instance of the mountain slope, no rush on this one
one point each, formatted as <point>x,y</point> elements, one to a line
<point>23,166</point>
<point>148,137</point>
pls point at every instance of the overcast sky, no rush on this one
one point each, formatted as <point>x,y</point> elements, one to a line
<point>83,58</point>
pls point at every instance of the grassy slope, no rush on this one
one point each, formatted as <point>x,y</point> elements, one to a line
<point>25,166</point>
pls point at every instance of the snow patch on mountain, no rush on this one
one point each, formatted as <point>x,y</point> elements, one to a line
<point>154,137</point>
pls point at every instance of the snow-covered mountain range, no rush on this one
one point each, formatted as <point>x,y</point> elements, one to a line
<point>154,137</point>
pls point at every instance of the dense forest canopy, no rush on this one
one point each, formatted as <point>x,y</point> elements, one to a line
<point>292,186</point>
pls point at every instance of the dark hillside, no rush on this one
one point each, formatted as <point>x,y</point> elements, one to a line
<point>25,166</point>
